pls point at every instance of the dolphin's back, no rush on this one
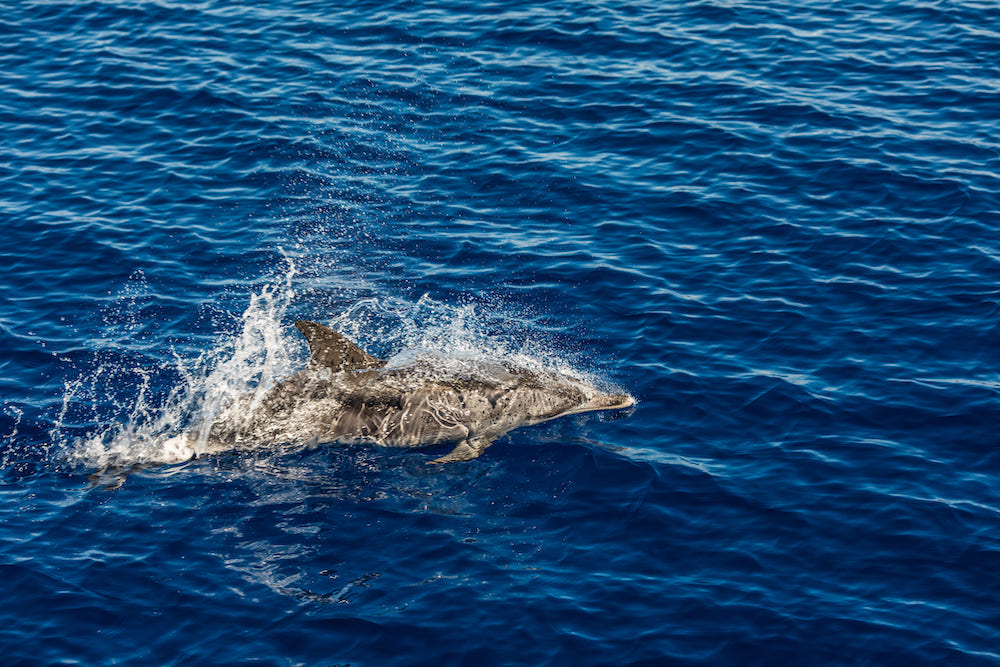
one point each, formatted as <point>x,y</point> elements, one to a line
<point>346,395</point>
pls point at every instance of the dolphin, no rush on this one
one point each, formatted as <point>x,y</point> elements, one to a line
<point>346,395</point>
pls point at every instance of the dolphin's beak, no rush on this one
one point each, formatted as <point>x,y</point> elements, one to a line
<point>617,401</point>
<point>606,402</point>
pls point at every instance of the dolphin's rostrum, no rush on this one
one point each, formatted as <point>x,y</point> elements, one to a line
<point>347,395</point>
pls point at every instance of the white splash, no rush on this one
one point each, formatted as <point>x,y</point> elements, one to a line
<point>249,363</point>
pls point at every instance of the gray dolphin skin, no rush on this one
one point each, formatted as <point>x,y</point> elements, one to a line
<point>346,395</point>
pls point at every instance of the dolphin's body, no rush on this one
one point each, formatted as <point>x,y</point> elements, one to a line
<point>346,395</point>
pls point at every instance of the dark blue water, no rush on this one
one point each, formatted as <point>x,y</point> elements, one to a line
<point>776,224</point>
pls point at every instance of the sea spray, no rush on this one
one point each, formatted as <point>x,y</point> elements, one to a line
<point>142,428</point>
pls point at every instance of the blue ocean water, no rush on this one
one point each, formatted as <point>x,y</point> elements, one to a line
<point>776,224</point>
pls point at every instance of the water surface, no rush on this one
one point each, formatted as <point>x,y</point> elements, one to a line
<point>777,225</point>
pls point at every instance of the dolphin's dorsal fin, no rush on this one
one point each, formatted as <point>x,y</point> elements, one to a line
<point>331,349</point>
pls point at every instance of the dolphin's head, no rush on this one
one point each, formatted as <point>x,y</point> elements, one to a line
<point>601,401</point>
